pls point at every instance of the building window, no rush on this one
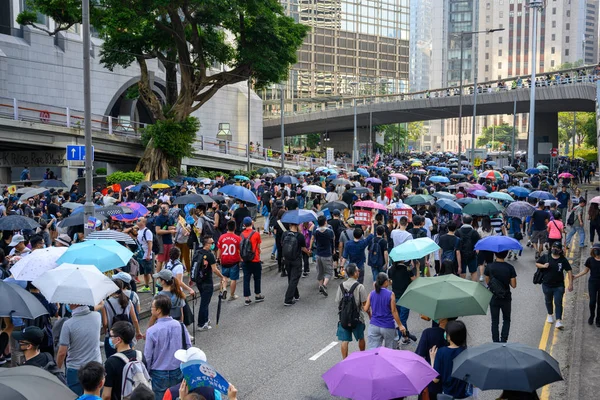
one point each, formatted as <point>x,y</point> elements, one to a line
<point>499,65</point>
<point>499,52</point>
<point>553,37</point>
<point>487,18</point>
<point>568,13</point>
<point>501,14</point>
<point>41,18</point>
<point>487,43</point>
<point>552,63</point>
<point>567,26</point>
<point>566,39</point>
<point>500,40</point>
<point>5,18</point>
<point>487,56</point>
<point>553,10</point>
<point>566,52</point>
<point>488,6</point>
<point>552,50</point>
<point>554,24</point>
<point>487,68</point>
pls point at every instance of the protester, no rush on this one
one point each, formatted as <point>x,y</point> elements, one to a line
<point>352,291</point>
<point>578,225</point>
<point>401,274</point>
<point>252,266</point>
<point>293,246</point>
<point>228,256</point>
<point>500,276</point>
<point>354,250</point>
<point>468,257</point>
<point>91,378</point>
<point>592,266</point>
<point>145,238</point>
<point>381,306</point>
<point>324,240</point>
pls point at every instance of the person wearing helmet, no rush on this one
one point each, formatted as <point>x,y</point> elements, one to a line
<point>554,266</point>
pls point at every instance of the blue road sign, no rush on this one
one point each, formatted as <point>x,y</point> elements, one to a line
<point>77,153</point>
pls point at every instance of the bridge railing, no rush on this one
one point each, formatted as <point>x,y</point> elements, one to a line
<point>580,75</point>
<point>66,117</point>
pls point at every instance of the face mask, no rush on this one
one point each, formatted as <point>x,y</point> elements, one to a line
<point>114,346</point>
<point>212,246</point>
<point>445,337</point>
<point>596,252</point>
<point>556,252</point>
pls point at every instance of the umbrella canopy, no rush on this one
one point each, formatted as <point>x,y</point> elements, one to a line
<point>52,183</point>
<point>497,244</point>
<point>286,179</point>
<point>158,186</point>
<point>70,205</point>
<point>370,204</point>
<point>399,176</point>
<point>482,207</point>
<point>75,284</point>
<point>360,190</point>
<point>565,175</point>
<point>508,168</point>
<point>449,205</point>
<point>138,210</point>
<point>298,217</point>
<point>17,223</point>
<point>413,249</point>
<point>239,193</point>
<point>35,264</point>
<point>541,195</point>
<point>340,181</point>
<point>492,163</point>
<point>29,382</point>
<point>32,193</point>
<point>506,366</point>
<point>418,199</point>
<point>194,198</point>
<point>270,175</point>
<point>266,170</point>
<point>104,254</point>
<point>241,178</point>
<point>542,167</point>
<point>479,193</point>
<point>392,374</point>
<point>446,296</point>
<point>373,180</point>
<point>500,196</point>
<point>335,205</point>
<point>78,219</point>
<point>362,172</point>
<point>519,191</point>
<point>439,179</point>
<point>458,176</point>
<point>532,171</point>
<point>169,182</point>
<point>110,235</point>
<point>595,200</point>
<point>314,189</point>
<point>491,174</point>
<point>444,195</point>
<point>419,172</point>
<point>112,210</point>
<point>18,302</point>
<point>520,209</point>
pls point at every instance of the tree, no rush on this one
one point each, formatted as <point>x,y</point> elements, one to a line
<point>566,121</point>
<point>313,140</point>
<point>590,131</point>
<point>394,137</point>
<point>495,136</point>
<point>252,37</point>
<point>415,130</point>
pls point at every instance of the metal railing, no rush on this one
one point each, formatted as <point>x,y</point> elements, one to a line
<point>66,117</point>
<point>579,75</point>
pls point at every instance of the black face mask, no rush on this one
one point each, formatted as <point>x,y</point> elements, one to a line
<point>556,252</point>
<point>596,252</point>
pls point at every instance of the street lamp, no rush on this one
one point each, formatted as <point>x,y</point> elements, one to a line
<point>281,88</point>
<point>535,5</point>
<point>462,37</point>
<point>88,208</point>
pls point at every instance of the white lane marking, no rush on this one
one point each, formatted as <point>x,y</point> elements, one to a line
<point>323,351</point>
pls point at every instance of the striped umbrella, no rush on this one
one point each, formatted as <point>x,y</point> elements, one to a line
<point>491,174</point>
<point>110,235</point>
<point>519,209</point>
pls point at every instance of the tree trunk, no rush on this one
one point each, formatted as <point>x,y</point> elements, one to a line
<point>153,163</point>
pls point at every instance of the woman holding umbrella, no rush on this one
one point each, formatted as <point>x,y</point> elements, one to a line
<point>381,307</point>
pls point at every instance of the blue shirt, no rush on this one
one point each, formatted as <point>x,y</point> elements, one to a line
<point>89,397</point>
<point>354,251</point>
<point>444,360</point>
<point>563,198</point>
<point>324,242</point>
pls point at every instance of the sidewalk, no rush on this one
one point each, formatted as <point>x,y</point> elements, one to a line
<point>268,265</point>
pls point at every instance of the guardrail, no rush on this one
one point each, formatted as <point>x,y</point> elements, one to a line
<point>580,75</point>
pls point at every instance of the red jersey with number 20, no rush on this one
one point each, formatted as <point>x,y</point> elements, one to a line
<point>229,244</point>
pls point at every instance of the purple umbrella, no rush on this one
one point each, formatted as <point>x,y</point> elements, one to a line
<point>373,180</point>
<point>390,374</point>
<point>137,211</point>
<point>476,186</point>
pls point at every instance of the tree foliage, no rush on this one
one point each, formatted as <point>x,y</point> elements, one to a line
<point>120,176</point>
<point>566,122</point>
<point>590,131</point>
<point>313,140</point>
<point>499,134</point>
<point>395,137</point>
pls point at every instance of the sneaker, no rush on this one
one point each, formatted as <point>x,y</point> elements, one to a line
<point>247,302</point>
<point>2,360</point>
<point>297,298</point>
<point>411,336</point>
<point>272,256</point>
<point>204,327</point>
<point>259,298</point>
<point>224,294</point>
<point>550,319</point>
<point>304,274</point>
<point>404,341</point>
<point>597,324</point>
<point>145,289</point>
<point>289,304</point>
<point>233,297</point>
<point>325,291</point>
<point>321,289</point>
<point>591,320</point>
<point>481,278</point>
<point>559,324</point>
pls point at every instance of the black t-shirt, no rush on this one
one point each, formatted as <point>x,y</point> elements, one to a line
<point>41,360</point>
<point>114,372</point>
<point>336,225</point>
<point>238,216</point>
<point>291,204</point>
<point>266,199</point>
<point>205,261</point>
<point>347,197</point>
<point>163,222</point>
<point>539,218</point>
<point>448,242</point>
<point>415,180</point>
<point>503,272</point>
<point>594,266</point>
<point>301,243</point>
<point>401,275</point>
<point>554,275</point>
<point>53,209</point>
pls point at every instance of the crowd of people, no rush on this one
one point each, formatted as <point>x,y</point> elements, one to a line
<point>215,240</point>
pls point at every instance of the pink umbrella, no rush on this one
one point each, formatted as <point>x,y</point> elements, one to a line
<point>373,180</point>
<point>400,176</point>
<point>475,186</point>
<point>370,204</point>
<point>566,175</point>
<point>595,200</point>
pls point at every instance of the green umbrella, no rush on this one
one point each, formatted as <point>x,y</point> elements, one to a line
<point>482,207</point>
<point>500,196</point>
<point>418,199</point>
<point>446,296</point>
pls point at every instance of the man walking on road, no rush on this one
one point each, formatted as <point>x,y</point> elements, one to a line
<point>145,239</point>
<point>468,238</point>
<point>564,198</point>
<point>354,250</point>
<point>228,255</point>
<point>500,276</point>
<point>354,288</point>
<point>578,225</point>
<point>324,241</point>
<point>252,268</point>
<point>539,222</point>
<point>293,245</point>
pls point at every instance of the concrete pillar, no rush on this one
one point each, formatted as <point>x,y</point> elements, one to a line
<point>69,175</point>
<point>5,177</point>
<point>546,131</point>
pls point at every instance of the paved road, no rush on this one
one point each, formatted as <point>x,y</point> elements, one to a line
<point>264,349</point>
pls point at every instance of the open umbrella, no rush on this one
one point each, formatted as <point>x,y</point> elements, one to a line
<point>110,235</point>
<point>566,175</point>
<point>500,196</point>
<point>314,189</point>
<point>508,168</point>
<point>449,205</point>
<point>138,210</point>
<point>239,193</point>
<point>479,193</point>
<point>286,179</point>
<point>18,302</point>
<point>439,179</point>
<point>268,175</point>
<point>32,193</point>
<point>483,207</point>
<point>542,167</point>
<point>399,176</point>
<point>36,263</point>
<point>444,195</point>
<point>419,172</point>
<point>78,219</point>
<point>373,180</point>
<point>532,171</point>
<point>71,205</point>
<point>413,249</point>
<point>52,183</point>
<point>194,198</point>
<point>519,191</point>
<point>520,209</point>
<point>370,204</point>
<point>506,366</point>
<point>491,163</point>
<point>266,170</point>
<point>497,244</point>
<point>418,199</point>
<point>595,200</point>
<point>112,210</point>
<point>159,186</point>
<point>340,181</point>
<point>360,190</point>
<point>362,172</point>
<point>335,205</point>
<point>457,176</point>
<point>28,382</point>
<point>298,217</point>
<point>392,374</point>
<point>17,223</point>
<point>104,254</point>
<point>541,195</point>
<point>446,296</point>
<point>491,174</point>
<point>241,178</point>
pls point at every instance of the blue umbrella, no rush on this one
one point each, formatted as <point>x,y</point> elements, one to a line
<point>492,163</point>
<point>466,172</point>
<point>79,210</point>
<point>286,179</point>
<point>413,249</point>
<point>479,193</point>
<point>541,195</point>
<point>432,167</point>
<point>240,193</point>
<point>443,170</point>
<point>532,171</point>
<point>106,255</point>
<point>303,173</point>
<point>449,205</point>
<point>362,172</point>
<point>498,244</point>
<point>331,177</point>
<point>298,217</point>
<point>519,191</point>
<point>241,178</point>
<point>439,179</point>
<point>465,200</point>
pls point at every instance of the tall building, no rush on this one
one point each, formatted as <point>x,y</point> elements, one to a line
<point>354,47</point>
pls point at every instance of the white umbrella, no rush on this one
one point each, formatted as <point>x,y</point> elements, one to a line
<point>75,284</point>
<point>32,193</point>
<point>37,263</point>
<point>110,235</point>
<point>314,189</point>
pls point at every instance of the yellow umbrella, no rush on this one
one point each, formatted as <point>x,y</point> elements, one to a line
<point>416,164</point>
<point>160,186</point>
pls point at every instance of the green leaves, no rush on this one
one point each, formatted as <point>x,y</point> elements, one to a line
<point>172,137</point>
<point>495,135</point>
<point>120,176</point>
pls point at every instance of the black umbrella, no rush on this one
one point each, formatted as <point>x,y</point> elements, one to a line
<point>194,199</point>
<point>77,219</point>
<point>266,170</point>
<point>286,179</point>
<point>335,205</point>
<point>219,306</point>
<point>340,181</point>
<point>18,302</point>
<point>360,190</point>
<point>52,183</point>
<point>218,197</point>
<point>113,210</point>
<point>507,366</point>
<point>17,223</point>
<point>29,382</point>
<point>457,176</point>
<point>124,184</point>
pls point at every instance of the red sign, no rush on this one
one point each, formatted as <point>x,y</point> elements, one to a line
<point>362,217</point>
<point>402,212</point>
<point>45,116</point>
<point>554,152</point>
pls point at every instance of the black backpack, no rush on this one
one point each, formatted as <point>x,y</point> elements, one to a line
<point>157,246</point>
<point>289,246</point>
<point>119,317</point>
<point>496,287</point>
<point>418,233</point>
<point>246,251</point>
<point>375,254</point>
<point>54,370</point>
<point>467,246</point>
<point>348,310</point>
<point>571,219</point>
<point>222,222</point>
<point>450,255</point>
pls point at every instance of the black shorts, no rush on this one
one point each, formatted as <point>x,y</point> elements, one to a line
<point>485,257</point>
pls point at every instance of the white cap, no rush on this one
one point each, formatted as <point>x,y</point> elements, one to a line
<point>193,353</point>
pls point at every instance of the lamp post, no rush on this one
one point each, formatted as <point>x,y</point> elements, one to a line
<point>462,39</point>
<point>88,208</point>
<point>535,6</point>
<point>281,87</point>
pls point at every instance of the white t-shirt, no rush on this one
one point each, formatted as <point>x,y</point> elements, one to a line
<point>331,196</point>
<point>399,236</point>
<point>165,198</point>
<point>144,236</point>
<point>176,269</point>
<point>109,201</point>
<point>428,226</point>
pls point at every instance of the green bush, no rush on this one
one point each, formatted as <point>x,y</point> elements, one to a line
<point>120,176</point>
<point>587,154</point>
<point>100,171</point>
